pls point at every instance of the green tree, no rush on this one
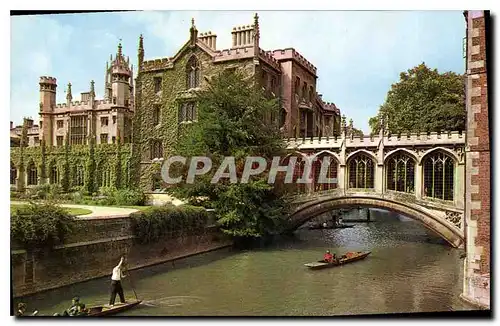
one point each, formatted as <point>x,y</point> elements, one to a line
<point>423,100</point>
<point>89,182</point>
<point>65,182</point>
<point>118,164</point>
<point>234,119</point>
<point>43,163</point>
<point>21,182</point>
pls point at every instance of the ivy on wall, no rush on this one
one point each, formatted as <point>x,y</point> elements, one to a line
<point>173,93</point>
<point>69,159</point>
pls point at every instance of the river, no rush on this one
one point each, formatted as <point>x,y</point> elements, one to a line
<point>409,270</point>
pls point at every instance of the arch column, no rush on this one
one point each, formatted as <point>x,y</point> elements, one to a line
<point>419,180</point>
<point>379,178</point>
<point>342,177</point>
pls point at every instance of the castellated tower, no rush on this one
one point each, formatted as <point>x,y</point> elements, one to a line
<point>48,86</point>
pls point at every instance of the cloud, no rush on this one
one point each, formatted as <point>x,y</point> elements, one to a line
<point>36,44</point>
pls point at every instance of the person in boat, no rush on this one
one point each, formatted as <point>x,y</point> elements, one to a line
<point>21,309</point>
<point>328,257</point>
<point>76,307</point>
<point>116,285</point>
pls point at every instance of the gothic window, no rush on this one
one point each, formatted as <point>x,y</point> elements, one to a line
<point>156,149</point>
<point>323,182</point>
<point>157,84</point>
<point>361,172</point>
<point>54,174</point>
<point>114,119</point>
<point>60,124</point>
<point>104,121</point>
<point>156,182</point>
<point>78,130</point>
<point>297,85</point>
<point>104,138</point>
<point>32,174</point>
<point>401,173</point>
<point>187,112</point>
<point>311,94</point>
<point>282,117</point>
<point>264,80</point>
<point>156,115</point>
<point>304,92</point>
<point>438,176</point>
<point>274,85</point>
<point>13,174</point>
<point>193,73</point>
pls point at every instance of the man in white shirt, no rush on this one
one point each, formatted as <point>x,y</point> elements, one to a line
<point>116,285</point>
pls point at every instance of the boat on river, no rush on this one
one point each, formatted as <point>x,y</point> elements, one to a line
<point>107,310</point>
<point>349,258</point>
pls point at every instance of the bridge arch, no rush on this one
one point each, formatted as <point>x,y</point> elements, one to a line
<point>440,226</point>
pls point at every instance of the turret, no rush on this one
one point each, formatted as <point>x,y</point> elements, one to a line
<point>120,80</point>
<point>48,87</point>
<point>140,52</point>
<point>69,96</point>
<point>193,32</point>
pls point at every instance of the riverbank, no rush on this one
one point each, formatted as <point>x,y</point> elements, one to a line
<point>95,248</point>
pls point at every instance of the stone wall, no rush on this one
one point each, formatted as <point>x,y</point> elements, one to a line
<point>95,249</point>
<point>477,172</point>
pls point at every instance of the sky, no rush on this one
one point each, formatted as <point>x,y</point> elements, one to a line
<point>359,54</point>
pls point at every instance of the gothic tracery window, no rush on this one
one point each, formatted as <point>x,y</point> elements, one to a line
<point>361,172</point>
<point>323,174</point>
<point>54,174</point>
<point>439,172</point>
<point>193,73</point>
<point>32,174</point>
<point>401,173</point>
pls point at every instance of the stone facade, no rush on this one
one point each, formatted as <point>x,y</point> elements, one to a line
<point>157,107</point>
<point>107,119</point>
<point>477,173</point>
<point>165,89</point>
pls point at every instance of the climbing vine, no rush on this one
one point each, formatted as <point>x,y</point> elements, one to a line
<point>173,94</point>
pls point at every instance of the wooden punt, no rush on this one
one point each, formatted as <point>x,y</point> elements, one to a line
<point>107,310</point>
<point>354,257</point>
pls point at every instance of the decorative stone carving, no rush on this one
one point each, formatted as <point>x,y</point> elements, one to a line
<point>455,218</point>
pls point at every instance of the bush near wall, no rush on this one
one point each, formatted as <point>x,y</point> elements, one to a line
<point>38,226</point>
<point>155,223</point>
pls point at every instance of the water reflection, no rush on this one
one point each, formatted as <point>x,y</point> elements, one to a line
<point>410,270</point>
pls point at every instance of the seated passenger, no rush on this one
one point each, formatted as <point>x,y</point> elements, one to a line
<point>328,257</point>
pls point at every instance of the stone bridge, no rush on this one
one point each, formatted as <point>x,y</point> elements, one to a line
<point>418,175</point>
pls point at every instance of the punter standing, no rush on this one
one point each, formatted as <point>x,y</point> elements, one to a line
<point>116,284</point>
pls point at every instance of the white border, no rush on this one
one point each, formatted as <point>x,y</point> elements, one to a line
<point>199,5</point>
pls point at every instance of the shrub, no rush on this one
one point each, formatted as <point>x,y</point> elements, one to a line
<point>40,225</point>
<point>155,223</point>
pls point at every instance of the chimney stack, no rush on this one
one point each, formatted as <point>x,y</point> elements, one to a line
<point>243,36</point>
<point>209,39</point>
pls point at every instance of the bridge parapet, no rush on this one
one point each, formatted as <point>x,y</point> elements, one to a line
<point>402,140</point>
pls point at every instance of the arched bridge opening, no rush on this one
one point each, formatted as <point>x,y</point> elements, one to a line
<point>441,227</point>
